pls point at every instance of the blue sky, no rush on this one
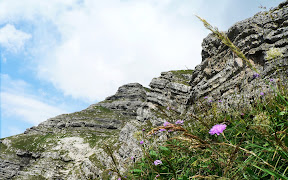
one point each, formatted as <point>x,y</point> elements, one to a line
<point>60,56</point>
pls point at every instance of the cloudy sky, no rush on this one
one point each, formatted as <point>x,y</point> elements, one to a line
<point>60,56</point>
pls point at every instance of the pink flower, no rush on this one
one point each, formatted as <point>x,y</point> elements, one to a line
<point>256,75</point>
<point>166,123</point>
<point>262,93</point>
<point>181,122</point>
<point>157,162</point>
<point>141,142</point>
<point>162,130</point>
<point>132,157</point>
<point>217,129</point>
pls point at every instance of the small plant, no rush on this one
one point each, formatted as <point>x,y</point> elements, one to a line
<point>274,53</point>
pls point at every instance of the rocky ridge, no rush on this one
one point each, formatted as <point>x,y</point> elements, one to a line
<point>72,146</point>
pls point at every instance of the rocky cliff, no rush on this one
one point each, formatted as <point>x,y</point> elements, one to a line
<point>73,146</point>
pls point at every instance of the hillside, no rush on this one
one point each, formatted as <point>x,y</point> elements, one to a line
<point>73,146</point>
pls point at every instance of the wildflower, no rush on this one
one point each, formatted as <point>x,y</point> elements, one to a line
<point>170,130</point>
<point>158,175</point>
<point>210,100</point>
<point>166,123</point>
<point>271,80</point>
<point>132,157</point>
<point>220,101</point>
<point>141,142</point>
<point>217,129</point>
<point>110,173</point>
<point>168,108</point>
<point>157,162</point>
<point>162,130</point>
<point>205,97</point>
<point>119,179</point>
<point>179,122</point>
<point>256,75</point>
<point>143,129</point>
<point>262,93</point>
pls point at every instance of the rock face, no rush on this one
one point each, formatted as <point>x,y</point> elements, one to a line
<point>74,146</point>
<point>222,73</point>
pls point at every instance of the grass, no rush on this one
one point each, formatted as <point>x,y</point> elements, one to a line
<point>32,143</point>
<point>180,74</point>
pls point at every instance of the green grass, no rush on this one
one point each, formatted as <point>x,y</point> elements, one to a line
<point>181,72</point>
<point>180,75</point>
<point>32,143</point>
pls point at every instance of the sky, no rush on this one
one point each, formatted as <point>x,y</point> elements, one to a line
<point>60,56</point>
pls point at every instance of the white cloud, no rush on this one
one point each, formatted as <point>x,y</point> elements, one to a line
<point>18,103</point>
<point>108,44</point>
<point>26,108</point>
<point>104,44</point>
<point>12,39</point>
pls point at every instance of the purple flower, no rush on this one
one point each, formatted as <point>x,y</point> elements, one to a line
<point>219,101</point>
<point>210,101</point>
<point>262,93</point>
<point>157,162</point>
<point>110,173</point>
<point>141,142</point>
<point>143,129</point>
<point>217,129</point>
<point>132,157</point>
<point>271,80</point>
<point>256,75</point>
<point>162,130</point>
<point>166,123</point>
<point>119,179</point>
<point>179,122</point>
<point>205,97</point>
<point>168,108</point>
<point>170,130</point>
